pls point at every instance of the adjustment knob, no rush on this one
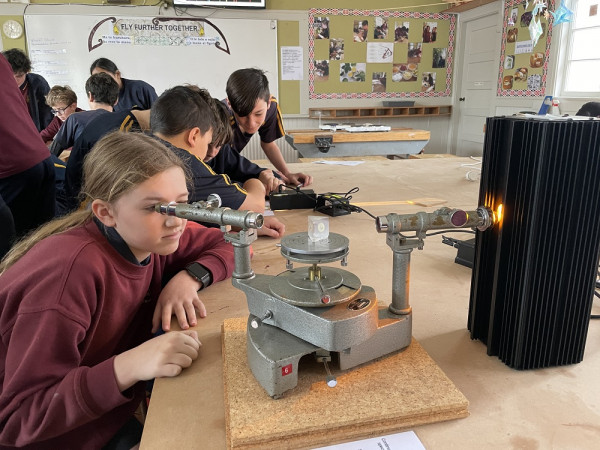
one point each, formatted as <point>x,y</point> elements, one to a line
<point>331,381</point>
<point>256,322</point>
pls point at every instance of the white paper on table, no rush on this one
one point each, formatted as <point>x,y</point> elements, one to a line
<point>339,163</point>
<point>399,441</point>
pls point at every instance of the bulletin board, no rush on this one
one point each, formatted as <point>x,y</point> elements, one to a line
<point>380,54</point>
<point>163,51</point>
<point>523,65</point>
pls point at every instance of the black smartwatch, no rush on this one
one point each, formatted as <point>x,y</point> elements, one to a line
<point>200,273</point>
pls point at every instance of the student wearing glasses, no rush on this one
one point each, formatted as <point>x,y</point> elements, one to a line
<point>102,92</point>
<point>63,102</point>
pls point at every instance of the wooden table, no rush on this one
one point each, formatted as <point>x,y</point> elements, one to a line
<point>509,408</point>
<point>397,141</point>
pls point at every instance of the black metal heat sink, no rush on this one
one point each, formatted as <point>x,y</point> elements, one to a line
<point>534,273</point>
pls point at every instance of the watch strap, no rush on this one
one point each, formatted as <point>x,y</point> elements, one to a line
<point>200,273</point>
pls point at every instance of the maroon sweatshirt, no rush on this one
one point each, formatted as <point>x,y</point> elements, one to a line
<point>67,307</point>
<point>21,146</point>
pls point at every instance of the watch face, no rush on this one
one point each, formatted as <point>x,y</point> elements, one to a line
<point>12,29</point>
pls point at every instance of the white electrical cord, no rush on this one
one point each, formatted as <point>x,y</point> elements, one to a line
<point>475,173</point>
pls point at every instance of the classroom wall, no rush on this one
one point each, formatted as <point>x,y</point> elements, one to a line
<point>289,5</point>
<point>512,105</point>
<point>294,32</point>
<point>292,20</point>
<point>350,4</point>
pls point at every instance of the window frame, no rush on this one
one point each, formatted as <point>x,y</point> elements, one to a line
<point>565,52</point>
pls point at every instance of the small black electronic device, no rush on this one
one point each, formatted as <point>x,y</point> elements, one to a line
<point>333,205</point>
<point>466,250</point>
<point>293,199</point>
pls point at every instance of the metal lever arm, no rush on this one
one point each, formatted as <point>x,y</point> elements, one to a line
<point>324,357</point>
<point>256,322</point>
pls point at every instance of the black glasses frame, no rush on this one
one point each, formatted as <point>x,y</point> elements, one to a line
<point>58,111</point>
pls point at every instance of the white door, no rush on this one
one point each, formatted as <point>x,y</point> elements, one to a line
<point>479,73</point>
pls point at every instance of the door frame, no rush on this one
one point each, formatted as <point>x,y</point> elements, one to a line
<point>463,18</point>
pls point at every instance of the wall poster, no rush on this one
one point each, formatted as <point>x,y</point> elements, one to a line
<point>526,36</point>
<point>379,54</point>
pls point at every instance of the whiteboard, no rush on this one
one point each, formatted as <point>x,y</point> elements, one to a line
<point>163,51</point>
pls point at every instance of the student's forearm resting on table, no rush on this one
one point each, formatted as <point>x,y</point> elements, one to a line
<point>255,200</point>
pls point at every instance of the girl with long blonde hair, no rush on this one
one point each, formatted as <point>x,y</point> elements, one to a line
<point>81,297</point>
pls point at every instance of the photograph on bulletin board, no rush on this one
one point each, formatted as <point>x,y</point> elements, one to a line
<point>380,54</point>
<point>526,37</point>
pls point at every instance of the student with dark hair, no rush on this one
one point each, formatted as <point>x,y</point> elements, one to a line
<point>63,102</point>
<point>26,171</point>
<point>223,159</point>
<point>183,118</point>
<point>132,93</point>
<point>33,87</point>
<point>253,109</point>
<point>426,33</point>
<point>102,92</point>
<point>77,344</point>
<point>589,109</point>
<point>129,120</point>
<point>364,31</point>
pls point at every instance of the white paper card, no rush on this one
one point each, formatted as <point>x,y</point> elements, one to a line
<point>380,52</point>
<point>399,441</point>
<point>291,63</point>
<point>339,163</point>
<point>523,47</point>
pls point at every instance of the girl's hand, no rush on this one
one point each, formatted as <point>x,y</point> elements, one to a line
<point>179,297</point>
<point>163,356</point>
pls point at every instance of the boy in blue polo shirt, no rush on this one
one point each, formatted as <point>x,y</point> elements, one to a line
<point>253,109</point>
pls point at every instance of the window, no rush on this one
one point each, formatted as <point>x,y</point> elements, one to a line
<point>581,75</point>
